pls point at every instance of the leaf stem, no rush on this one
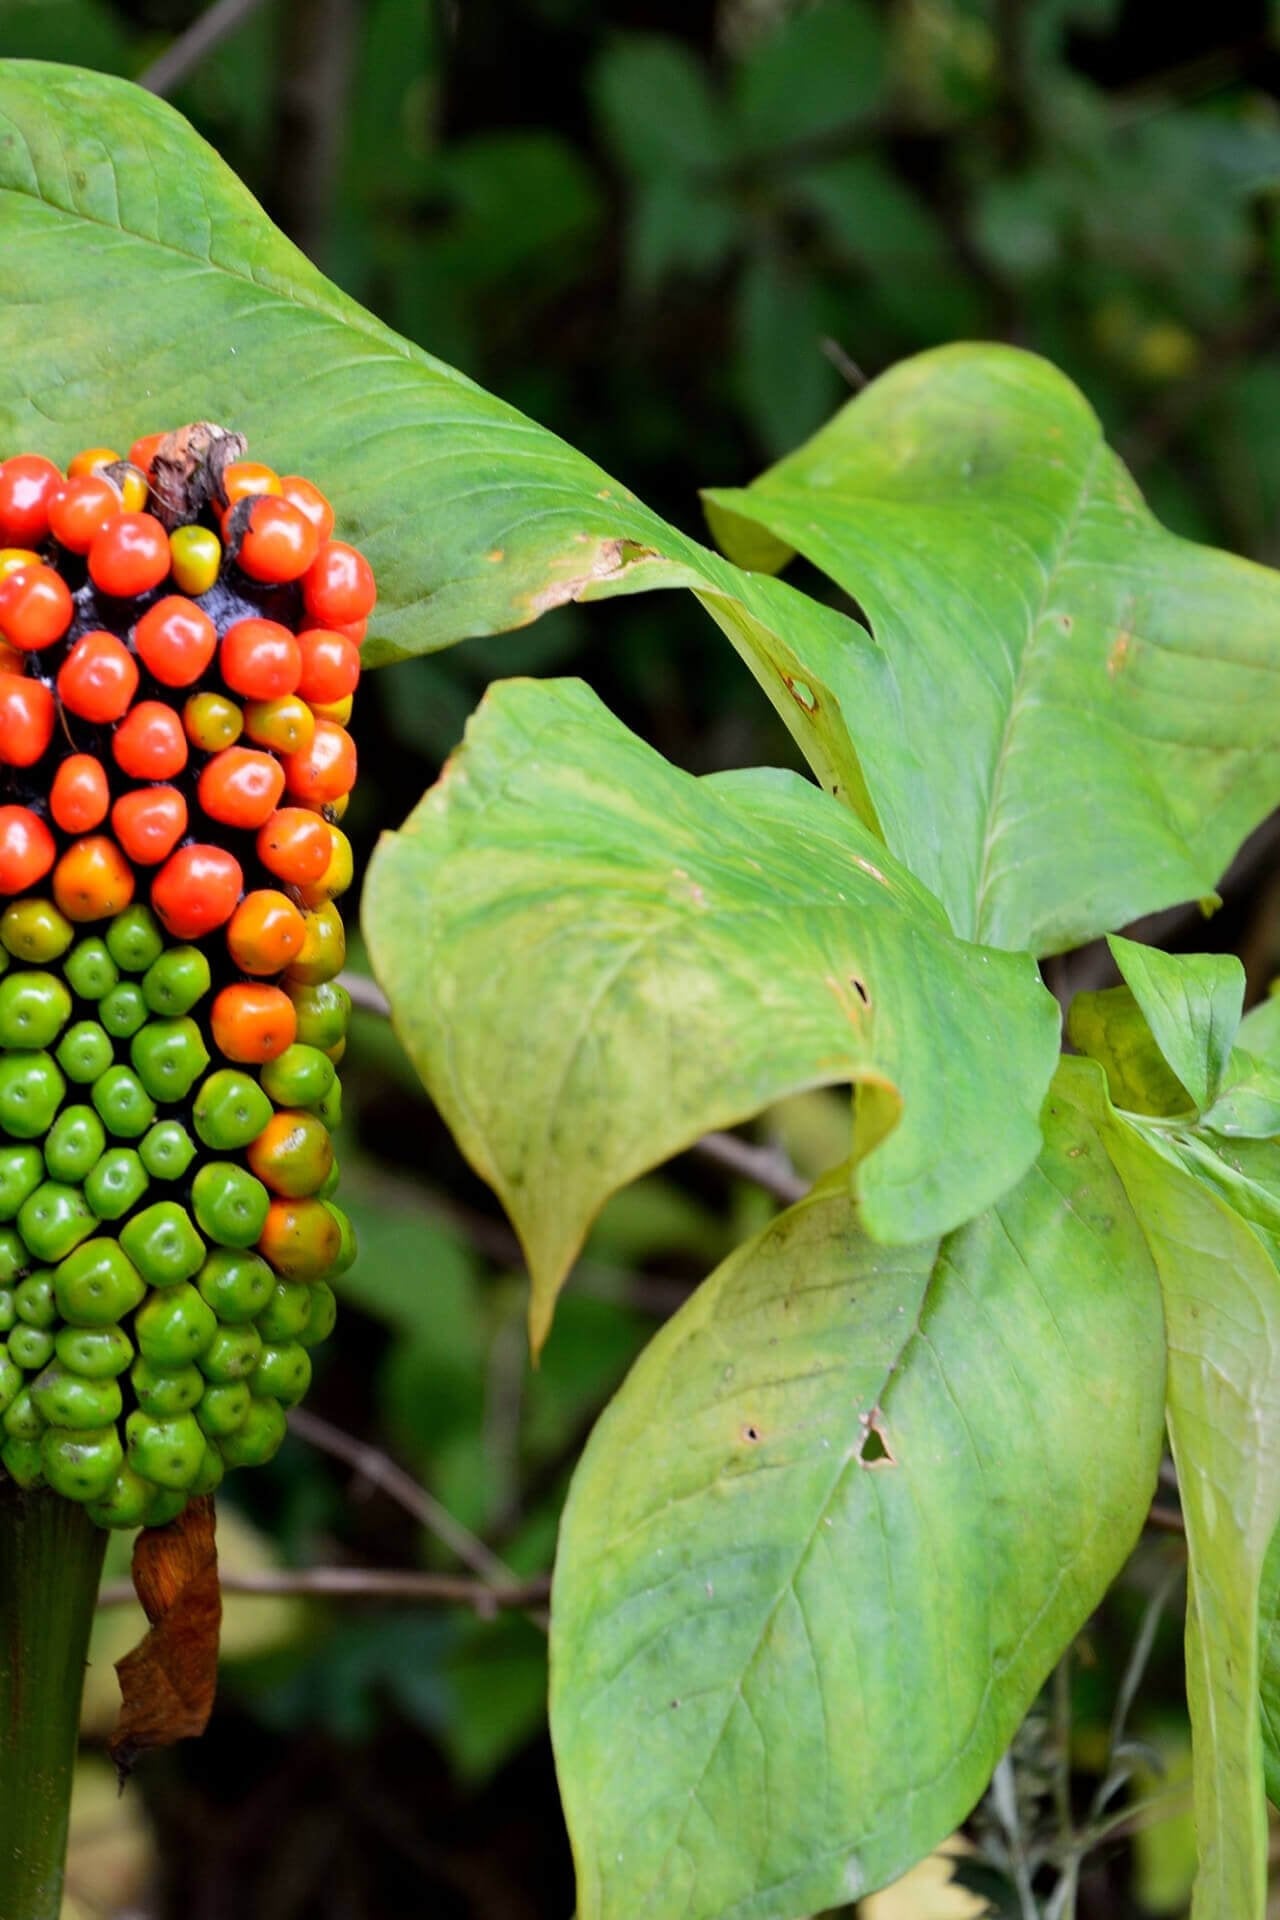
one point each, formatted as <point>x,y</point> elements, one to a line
<point>50,1563</point>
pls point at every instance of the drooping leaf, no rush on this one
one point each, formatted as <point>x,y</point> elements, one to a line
<point>1248,1107</point>
<point>829,1539</point>
<point>1192,1004</point>
<point>594,958</point>
<point>168,1682</point>
<point>1093,703</point>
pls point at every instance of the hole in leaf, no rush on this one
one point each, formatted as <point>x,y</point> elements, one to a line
<point>750,1432</point>
<point>860,989</point>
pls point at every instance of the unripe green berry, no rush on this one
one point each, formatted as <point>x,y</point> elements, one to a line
<point>125,1106</point>
<point>224,1408</point>
<point>90,970</point>
<point>168,1057</point>
<point>166,1505</point>
<point>232,1354</point>
<point>31,1090</point>
<point>22,1418</point>
<point>31,1347</point>
<point>163,1244</point>
<point>259,1439</point>
<point>127,1502</point>
<point>55,1219</point>
<point>116,1183</point>
<point>23,1460</point>
<point>98,1284</point>
<point>347,1248</point>
<point>34,930</point>
<point>230,1110</point>
<point>66,1399</point>
<point>167,1150</point>
<point>15,1260</point>
<point>135,939</point>
<point>174,1327</point>
<point>286,1314</point>
<point>34,1008</point>
<point>209,1474</point>
<point>230,1206</point>
<point>282,1373</point>
<point>237,1285</point>
<point>324,1013</point>
<point>85,1052</point>
<point>11,1380</point>
<point>21,1171</point>
<point>123,1011</point>
<point>81,1465</point>
<point>330,1108</point>
<point>8,1311</point>
<point>165,1391</point>
<point>299,1077</point>
<point>34,1299</point>
<point>95,1353</point>
<point>166,1452</point>
<point>177,981</point>
<point>76,1142</point>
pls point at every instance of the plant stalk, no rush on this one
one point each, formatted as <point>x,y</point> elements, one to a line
<point>50,1563</point>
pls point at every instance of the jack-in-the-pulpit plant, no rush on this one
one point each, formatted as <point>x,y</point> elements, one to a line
<point>862,1492</point>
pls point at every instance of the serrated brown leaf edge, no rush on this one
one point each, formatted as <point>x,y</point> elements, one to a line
<point>168,1682</point>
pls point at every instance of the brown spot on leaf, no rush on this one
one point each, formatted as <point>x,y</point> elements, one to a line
<point>801,692</point>
<point>496,557</point>
<point>610,557</point>
<point>751,1432</point>
<point>167,1684</point>
<point>1118,653</point>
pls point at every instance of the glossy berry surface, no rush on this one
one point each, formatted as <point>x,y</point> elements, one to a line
<point>176,677</point>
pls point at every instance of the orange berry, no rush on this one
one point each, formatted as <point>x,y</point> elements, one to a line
<point>35,607</point>
<point>244,478</point>
<point>130,556</point>
<point>149,822</point>
<point>93,880</point>
<point>196,890</point>
<point>91,460</point>
<point>278,542</point>
<point>327,770</point>
<point>98,678</point>
<point>143,452</point>
<point>79,797</point>
<point>296,846</point>
<point>266,932</point>
<point>176,640</point>
<point>253,1022</point>
<point>149,743</point>
<point>260,659</point>
<point>301,1240</point>
<point>27,714</point>
<point>330,666</point>
<point>27,849</point>
<point>293,1154</point>
<point>240,788</point>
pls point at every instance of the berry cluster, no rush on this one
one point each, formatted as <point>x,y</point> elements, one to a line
<point>179,647</point>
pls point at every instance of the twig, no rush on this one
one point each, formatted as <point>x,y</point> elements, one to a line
<point>1166,1520</point>
<point>311,109</point>
<point>366,994</point>
<point>183,55</point>
<point>369,1583</point>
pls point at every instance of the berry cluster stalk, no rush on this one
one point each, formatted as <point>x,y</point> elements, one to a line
<point>50,1562</point>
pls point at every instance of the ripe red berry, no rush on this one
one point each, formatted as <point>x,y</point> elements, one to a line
<point>98,678</point>
<point>196,890</point>
<point>260,659</point>
<point>35,607</point>
<point>295,845</point>
<point>327,770</point>
<point>308,499</point>
<point>27,714</point>
<point>79,797</point>
<point>149,743</point>
<point>143,452</point>
<point>278,542</point>
<point>330,666</point>
<point>129,557</point>
<point>240,788</point>
<point>26,849</point>
<point>176,640</point>
<point>339,586</point>
<point>27,482</point>
<point>93,880</point>
<point>149,822</point>
<point>80,509</point>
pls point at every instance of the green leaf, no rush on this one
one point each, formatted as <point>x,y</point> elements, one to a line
<point>1111,1028</point>
<point>658,111</point>
<point>827,1542</point>
<point>1192,1003</point>
<point>820,72</point>
<point>1269,1666</point>
<point>1092,702</point>
<point>1249,1105</point>
<point>594,958</point>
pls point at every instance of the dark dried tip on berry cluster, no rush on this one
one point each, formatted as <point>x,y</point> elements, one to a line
<point>179,647</point>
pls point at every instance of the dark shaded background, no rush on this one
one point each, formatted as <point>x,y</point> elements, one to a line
<point>679,232</point>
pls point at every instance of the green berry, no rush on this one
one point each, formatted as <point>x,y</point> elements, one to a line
<point>329,1185</point>
<point>237,1285</point>
<point>31,1347</point>
<point>174,1327</point>
<point>76,1142</point>
<point>283,1373</point>
<point>135,940</point>
<point>69,1400</point>
<point>34,1008</point>
<point>177,981</point>
<point>34,930</point>
<point>124,1104</point>
<point>166,1505</point>
<point>81,1465</point>
<point>324,1013</point>
<point>230,1110</point>
<point>165,1391</point>
<point>169,1453</point>
<point>124,1010</point>
<point>116,1184</point>
<point>210,1472</point>
<point>90,969</point>
<point>127,1502</point>
<point>95,1353</point>
<point>286,1314</point>
<point>168,1057</point>
<point>98,1284</point>
<point>330,1108</point>
<point>298,1077</point>
<point>31,1090</point>
<point>23,1460</point>
<point>34,1300</point>
<point>230,1205</point>
<point>224,1408</point>
<point>14,1257</point>
<point>22,1418</point>
<point>347,1242</point>
<point>55,1219</point>
<point>11,1380</point>
<point>163,1244</point>
<point>232,1354</point>
<point>167,1150</point>
<point>85,1051</point>
<point>8,1311</point>
<point>258,1440</point>
<point>21,1171</point>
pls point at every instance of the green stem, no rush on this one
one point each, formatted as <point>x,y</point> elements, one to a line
<point>50,1563</point>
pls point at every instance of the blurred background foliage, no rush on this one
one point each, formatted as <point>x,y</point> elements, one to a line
<point>679,232</point>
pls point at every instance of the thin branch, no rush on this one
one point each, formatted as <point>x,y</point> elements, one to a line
<point>366,994</point>
<point>369,1583</point>
<point>183,55</point>
<point>1166,1520</point>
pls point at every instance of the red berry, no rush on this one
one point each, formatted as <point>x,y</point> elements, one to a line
<point>149,822</point>
<point>149,743</point>
<point>196,890</point>
<point>79,797</point>
<point>35,607</point>
<point>27,482</point>
<point>266,932</point>
<point>98,678</point>
<point>260,659</point>
<point>27,715</point>
<point>339,587</point>
<point>240,788</point>
<point>241,479</point>
<point>330,666</point>
<point>326,770</point>
<point>93,880</point>
<point>26,849</point>
<point>130,557</point>
<point>295,845</point>
<point>80,509</point>
<point>176,640</point>
<point>143,452</point>
<point>309,500</point>
<point>278,543</point>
